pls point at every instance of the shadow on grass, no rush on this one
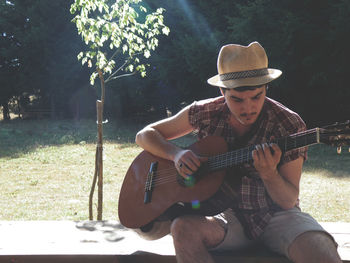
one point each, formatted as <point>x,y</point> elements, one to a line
<point>19,137</point>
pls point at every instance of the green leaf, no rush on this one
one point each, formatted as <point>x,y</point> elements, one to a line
<point>125,48</point>
<point>166,30</point>
<point>93,77</point>
<point>147,54</point>
<point>143,9</point>
<point>130,68</point>
<point>80,55</point>
<point>84,60</point>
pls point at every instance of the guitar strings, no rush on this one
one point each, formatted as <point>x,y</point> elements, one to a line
<point>245,153</point>
<point>169,175</point>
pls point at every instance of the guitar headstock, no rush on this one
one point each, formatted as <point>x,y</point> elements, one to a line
<point>337,134</point>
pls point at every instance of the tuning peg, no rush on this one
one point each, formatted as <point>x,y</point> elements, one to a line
<point>339,150</point>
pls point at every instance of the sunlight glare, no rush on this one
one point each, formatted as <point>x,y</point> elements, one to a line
<point>198,21</point>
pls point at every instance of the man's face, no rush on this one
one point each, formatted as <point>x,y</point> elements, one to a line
<point>245,106</point>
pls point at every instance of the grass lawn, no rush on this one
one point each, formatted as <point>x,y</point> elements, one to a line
<point>325,184</point>
<point>46,170</point>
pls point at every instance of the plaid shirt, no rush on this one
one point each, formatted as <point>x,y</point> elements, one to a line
<point>243,189</point>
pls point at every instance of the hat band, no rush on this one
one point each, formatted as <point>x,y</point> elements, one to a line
<point>244,74</point>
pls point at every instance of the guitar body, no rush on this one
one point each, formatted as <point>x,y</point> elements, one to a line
<point>134,213</point>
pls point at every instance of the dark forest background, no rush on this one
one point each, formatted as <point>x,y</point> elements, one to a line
<point>308,40</point>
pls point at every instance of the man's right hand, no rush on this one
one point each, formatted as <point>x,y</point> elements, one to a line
<point>187,162</point>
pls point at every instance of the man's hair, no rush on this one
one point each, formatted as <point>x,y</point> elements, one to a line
<point>245,88</point>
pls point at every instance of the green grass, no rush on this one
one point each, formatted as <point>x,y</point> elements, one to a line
<point>325,184</point>
<point>46,170</point>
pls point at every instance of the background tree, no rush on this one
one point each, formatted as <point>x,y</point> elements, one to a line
<point>38,43</point>
<point>120,35</point>
<point>12,23</point>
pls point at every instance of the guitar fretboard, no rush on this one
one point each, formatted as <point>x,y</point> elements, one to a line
<point>244,155</point>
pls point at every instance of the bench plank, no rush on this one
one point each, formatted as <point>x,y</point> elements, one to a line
<point>109,241</point>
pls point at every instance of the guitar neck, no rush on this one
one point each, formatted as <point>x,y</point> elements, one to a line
<point>244,155</point>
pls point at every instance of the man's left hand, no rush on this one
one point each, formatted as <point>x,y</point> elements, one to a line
<point>266,158</point>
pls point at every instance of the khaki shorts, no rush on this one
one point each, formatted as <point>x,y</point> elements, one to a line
<point>279,234</point>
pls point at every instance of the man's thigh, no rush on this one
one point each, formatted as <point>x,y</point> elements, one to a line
<point>235,238</point>
<point>285,226</point>
<point>314,246</point>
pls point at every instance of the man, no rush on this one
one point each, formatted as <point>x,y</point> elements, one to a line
<point>266,209</point>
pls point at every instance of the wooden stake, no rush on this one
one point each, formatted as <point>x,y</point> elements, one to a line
<point>98,175</point>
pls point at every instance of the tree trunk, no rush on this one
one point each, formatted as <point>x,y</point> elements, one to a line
<point>100,159</point>
<point>92,190</point>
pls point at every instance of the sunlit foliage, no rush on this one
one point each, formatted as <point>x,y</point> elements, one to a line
<point>118,34</point>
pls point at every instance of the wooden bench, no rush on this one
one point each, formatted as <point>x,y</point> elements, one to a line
<point>108,241</point>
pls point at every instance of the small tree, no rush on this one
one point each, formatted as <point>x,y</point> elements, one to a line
<point>120,35</point>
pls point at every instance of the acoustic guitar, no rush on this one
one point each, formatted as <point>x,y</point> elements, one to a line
<point>152,185</point>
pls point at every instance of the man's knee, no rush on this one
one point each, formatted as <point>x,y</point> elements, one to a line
<point>314,246</point>
<point>182,228</point>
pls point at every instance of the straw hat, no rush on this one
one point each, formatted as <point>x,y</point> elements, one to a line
<point>243,66</point>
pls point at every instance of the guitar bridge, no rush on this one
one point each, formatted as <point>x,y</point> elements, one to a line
<point>149,182</point>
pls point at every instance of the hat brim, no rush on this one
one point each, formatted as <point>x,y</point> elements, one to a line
<point>254,81</point>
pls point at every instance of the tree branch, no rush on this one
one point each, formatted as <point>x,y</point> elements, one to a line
<point>114,54</point>
<point>123,75</point>
<point>111,77</point>
<point>115,72</point>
